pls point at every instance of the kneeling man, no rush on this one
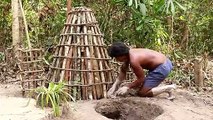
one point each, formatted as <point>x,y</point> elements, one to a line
<point>157,64</point>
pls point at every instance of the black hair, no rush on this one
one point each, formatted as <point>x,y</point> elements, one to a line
<point>118,49</point>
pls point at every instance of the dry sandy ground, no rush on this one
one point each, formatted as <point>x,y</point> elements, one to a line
<point>14,107</point>
<point>186,106</point>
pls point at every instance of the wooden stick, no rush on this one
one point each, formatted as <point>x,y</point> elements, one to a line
<point>90,85</point>
<point>66,62</point>
<point>83,75</point>
<point>96,78</point>
<point>104,62</point>
<point>88,54</point>
<point>91,52</point>
<point>80,34</point>
<point>59,50</point>
<point>108,74</point>
<point>77,62</point>
<point>93,58</point>
<point>78,70</point>
<point>75,11</point>
<point>104,46</point>
<point>94,88</point>
<point>26,26</point>
<point>27,50</point>
<point>101,79</point>
<point>73,65</point>
<point>83,67</point>
<point>27,62</point>
<point>81,24</point>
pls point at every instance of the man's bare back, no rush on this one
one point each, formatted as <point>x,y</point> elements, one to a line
<point>148,59</point>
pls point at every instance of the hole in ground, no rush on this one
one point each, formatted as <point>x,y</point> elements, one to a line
<point>128,109</point>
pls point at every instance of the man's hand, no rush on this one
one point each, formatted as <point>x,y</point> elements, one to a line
<point>122,91</point>
<point>111,92</point>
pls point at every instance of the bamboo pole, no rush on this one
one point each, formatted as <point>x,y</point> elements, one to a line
<point>25,24</point>
<point>60,49</point>
<point>68,65</point>
<point>66,53</point>
<point>69,61</point>
<point>78,61</point>
<point>108,74</point>
<point>88,54</point>
<point>84,63</point>
<point>69,2</point>
<point>94,88</point>
<point>68,74</point>
<point>73,79</point>
<point>101,68</point>
<point>74,53</point>
<point>104,63</point>
<point>102,43</point>
<point>98,52</point>
<point>83,75</point>
<point>91,61</point>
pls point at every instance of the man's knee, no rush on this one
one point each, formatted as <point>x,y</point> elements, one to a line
<point>145,92</point>
<point>142,94</point>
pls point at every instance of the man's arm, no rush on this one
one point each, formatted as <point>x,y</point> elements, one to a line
<point>138,70</point>
<point>121,77</point>
<point>123,70</point>
<point>122,74</point>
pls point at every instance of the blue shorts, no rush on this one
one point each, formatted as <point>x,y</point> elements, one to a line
<point>156,76</point>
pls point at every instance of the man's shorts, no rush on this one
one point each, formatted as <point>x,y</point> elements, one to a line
<point>156,76</point>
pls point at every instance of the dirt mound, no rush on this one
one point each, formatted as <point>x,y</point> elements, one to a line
<point>128,109</point>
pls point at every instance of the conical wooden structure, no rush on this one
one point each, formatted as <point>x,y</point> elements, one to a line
<point>81,59</point>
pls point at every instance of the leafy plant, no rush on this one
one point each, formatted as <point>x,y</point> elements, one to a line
<point>52,96</point>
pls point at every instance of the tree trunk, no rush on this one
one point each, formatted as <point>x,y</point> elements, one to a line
<point>170,21</point>
<point>69,5</point>
<point>198,72</point>
<point>15,23</point>
<point>21,25</point>
<point>185,39</point>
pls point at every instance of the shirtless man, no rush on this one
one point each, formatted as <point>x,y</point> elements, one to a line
<point>157,64</point>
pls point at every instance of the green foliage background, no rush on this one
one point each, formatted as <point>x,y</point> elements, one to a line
<point>178,28</point>
<point>143,23</point>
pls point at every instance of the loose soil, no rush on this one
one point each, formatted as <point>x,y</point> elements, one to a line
<point>128,109</point>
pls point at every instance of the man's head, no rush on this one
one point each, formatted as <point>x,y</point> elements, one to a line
<point>120,51</point>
